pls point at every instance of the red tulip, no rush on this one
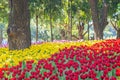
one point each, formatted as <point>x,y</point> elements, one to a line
<point>118,72</point>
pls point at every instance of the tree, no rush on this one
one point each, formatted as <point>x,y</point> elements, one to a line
<point>114,15</point>
<point>1,36</point>
<point>3,17</point>
<point>99,16</point>
<point>69,33</point>
<point>80,14</point>
<point>52,11</point>
<point>37,11</point>
<point>69,11</point>
<point>80,27</point>
<point>116,21</point>
<point>4,11</point>
<point>18,31</point>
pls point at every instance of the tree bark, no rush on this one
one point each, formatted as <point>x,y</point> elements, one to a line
<point>118,34</point>
<point>88,30</point>
<point>1,36</point>
<point>80,30</point>
<point>114,25</point>
<point>62,32</point>
<point>19,36</point>
<point>99,19</point>
<point>51,28</point>
<point>36,27</point>
<point>69,32</point>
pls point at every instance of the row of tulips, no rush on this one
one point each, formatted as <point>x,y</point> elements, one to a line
<point>36,52</point>
<point>100,61</point>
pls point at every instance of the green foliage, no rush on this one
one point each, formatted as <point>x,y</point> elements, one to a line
<point>113,5</point>
<point>116,15</point>
<point>59,11</point>
<point>4,10</point>
<point>23,65</point>
<point>36,7</point>
<point>52,7</point>
<point>43,34</point>
<point>118,12</point>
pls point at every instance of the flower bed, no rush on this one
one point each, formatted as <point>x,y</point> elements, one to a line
<point>36,52</point>
<point>95,62</point>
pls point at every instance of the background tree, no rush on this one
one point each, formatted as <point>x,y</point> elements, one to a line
<point>64,20</point>
<point>1,33</point>
<point>81,16</point>
<point>37,11</point>
<point>99,16</point>
<point>114,15</point>
<point>4,11</point>
<point>19,36</point>
<point>69,32</point>
<point>3,18</point>
<point>52,12</point>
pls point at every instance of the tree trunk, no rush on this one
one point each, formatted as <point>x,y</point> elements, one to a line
<point>114,25</point>
<point>1,36</point>
<point>19,36</point>
<point>80,30</point>
<point>69,32</point>
<point>51,27</point>
<point>51,30</point>
<point>103,18</point>
<point>62,32</point>
<point>118,34</point>
<point>36,27</point>
<point>99,19</point>
<point>88,30</point>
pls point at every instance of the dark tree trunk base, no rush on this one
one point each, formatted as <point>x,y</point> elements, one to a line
<point>18,31</point>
